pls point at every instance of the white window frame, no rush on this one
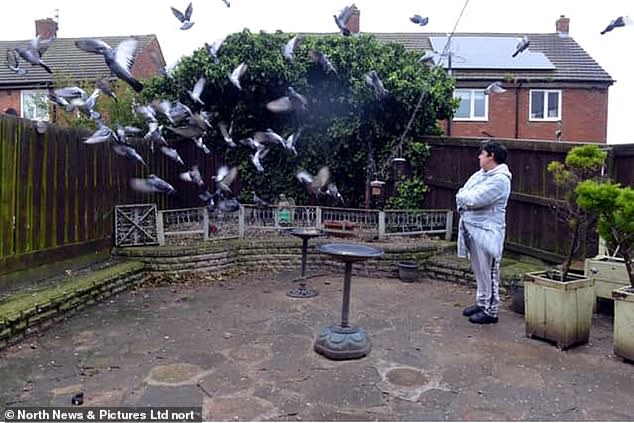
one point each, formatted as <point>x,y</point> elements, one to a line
<point>545,111</point>
<point>471,117</point>
<point>24,94</point>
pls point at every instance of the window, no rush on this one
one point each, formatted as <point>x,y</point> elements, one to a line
<point>545,105</point>
<point>474,105</point>
<point>34,105</point>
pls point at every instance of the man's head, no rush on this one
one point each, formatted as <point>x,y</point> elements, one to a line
<point>491,154</point>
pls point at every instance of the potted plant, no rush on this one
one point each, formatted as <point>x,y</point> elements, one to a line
<point>558,303</point>
<point>614,206</point>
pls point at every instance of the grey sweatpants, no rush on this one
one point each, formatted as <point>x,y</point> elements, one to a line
<point>487,273</point>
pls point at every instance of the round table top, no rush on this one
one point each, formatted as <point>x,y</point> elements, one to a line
<point>351,252</point>
<point>306,232</point>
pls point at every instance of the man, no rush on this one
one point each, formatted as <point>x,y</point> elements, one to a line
<point>481,203</point>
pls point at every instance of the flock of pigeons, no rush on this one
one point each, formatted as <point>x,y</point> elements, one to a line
<point>186,123</point>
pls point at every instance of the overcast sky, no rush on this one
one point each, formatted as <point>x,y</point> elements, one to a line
<point>213,20</point>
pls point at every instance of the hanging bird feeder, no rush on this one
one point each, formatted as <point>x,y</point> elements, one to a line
<point>376,187</point>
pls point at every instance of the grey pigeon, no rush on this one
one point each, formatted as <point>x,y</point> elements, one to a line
<point>106,88</point>
<point>147,112</point>
<point>34,51</point>
<point>342,19</point>
<point>13,62</point>
<point>494,88</point>
<point>152,184</point>
<point>268,137</point>
<point>119,60</point>
<point>184,18</point>
<point>227,133</point>
<point>289,48</point>
<point>291,140</point>
<point>226,2</point>
<point>159,63</point>
<point>154,135</point>
<point>214,48</point>
<point>259,202</point>
<point>230,205</point>
<point>193,175</point>
<point>419,20</point>
<point>619,22</point>
<point>521,46</point>
<point>257,157</point>
<point>334,193</point>
<point>372,79</point>
<point>237,74</point>
<point>429,58</point>
<point>129,153</point>
<point>70,93</point>
<point>315,184</point>
<point>224,177</point>
<point>187,131</point>
<point>198,90</point>
<point>322,60</point>
<point>102,134</point>
<point>292,101</point>
<point>172,153</point>
<point>209,199</point>
<point>200,144</point>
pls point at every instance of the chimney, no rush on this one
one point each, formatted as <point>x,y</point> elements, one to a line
<point>46,28</point>
<point>353,22</point>
<point>563,26</point>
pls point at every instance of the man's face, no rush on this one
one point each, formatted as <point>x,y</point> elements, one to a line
<point>487,160</point>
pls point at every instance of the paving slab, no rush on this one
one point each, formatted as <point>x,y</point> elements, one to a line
<point>243,350</point>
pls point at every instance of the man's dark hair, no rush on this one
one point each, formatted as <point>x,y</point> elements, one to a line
<point>496,148</point>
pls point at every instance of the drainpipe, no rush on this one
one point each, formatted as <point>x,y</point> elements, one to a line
<point>517,109</point>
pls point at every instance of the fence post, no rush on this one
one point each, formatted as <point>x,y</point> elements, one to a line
<point>449,225</point>
<point>318,223</point>
<point>205,224</point>
<point>381,225</point>
<point>160,228</point>
<point>241,222</point>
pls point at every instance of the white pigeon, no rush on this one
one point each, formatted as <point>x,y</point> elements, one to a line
<point>193,175</point>
<point>224,177</point>
<point>289,48</point>
<point>494,88</point>
<point>237,74</point>
<point>198,90</point>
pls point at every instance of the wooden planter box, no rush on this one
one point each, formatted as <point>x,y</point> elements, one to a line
<point>623,323</point>
<point>609,273</point>
<point>340,228</point>
<point>556,311</point>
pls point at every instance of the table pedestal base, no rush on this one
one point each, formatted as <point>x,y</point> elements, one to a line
<point>342,343</point>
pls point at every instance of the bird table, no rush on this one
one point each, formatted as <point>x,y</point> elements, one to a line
<point>305,234</point>
<point>343,341</point>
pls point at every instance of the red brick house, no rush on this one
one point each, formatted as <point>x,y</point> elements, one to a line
<point>26,93</point>
<point>554,89</point>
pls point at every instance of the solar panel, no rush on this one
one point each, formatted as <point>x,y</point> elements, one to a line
<point>472,52</point>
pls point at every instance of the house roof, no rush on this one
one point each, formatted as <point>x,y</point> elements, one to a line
<point>65,60</point>
<point>572,62</point>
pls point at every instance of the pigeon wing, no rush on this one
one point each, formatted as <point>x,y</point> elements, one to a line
<point>188,11</point>
<point>178,14</point>
<point>124,53</point>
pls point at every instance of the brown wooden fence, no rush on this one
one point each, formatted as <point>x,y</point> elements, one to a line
<point>532,227</point>
<point>57,194</point>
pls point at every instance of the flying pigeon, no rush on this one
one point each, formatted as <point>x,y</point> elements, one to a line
<point>119,59</point>
<point>322,60</point>
<point>225,177</point>
<point>214,48</point>
<point>494,88</point>
<point>13,62</point>
<point>184,18</point>
<point>289,48</point>
<point>292,101</point>
<point>521,46</point>
<point>259,202</point>
<point>34,51</point>
<point>237,74</point>
<point>227,133</point>
<point>151,184</point>
<point>343,18</point>
<point>102,134</point>
<point>128,152</point>
<point>268,137</point>
<point>70,93</point>
<point>373,80</point>
<point>315,184</point>
<point>193,175</point>
<point>77,399</point>
<point>159,63</point>
<point>226,2</point>
<point>172,153</point>
<point>198,90</point>
<point>230,205</point>
<point>419,20</point>
<point>619,22</point>
<point>291,140</point>
<point>334,193</point>
<point>200,144</point>
<point>257,157</point>
<point>106,88</point>
<point>429,58</point>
